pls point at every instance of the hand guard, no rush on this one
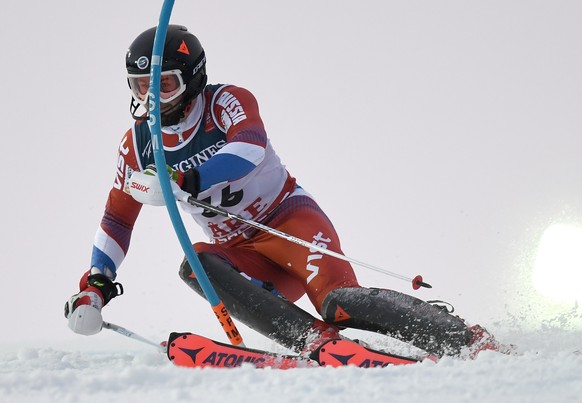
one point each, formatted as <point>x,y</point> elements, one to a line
<point>145,186</point>
<point>86,320</point>
<point>83,310</point>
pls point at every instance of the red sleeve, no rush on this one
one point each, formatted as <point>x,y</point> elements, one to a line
<point>237,113</point>
<point>120,203</point>
<point>114,233</point>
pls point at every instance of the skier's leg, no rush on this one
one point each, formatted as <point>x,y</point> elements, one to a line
<point>318,273</point>
<point>260,307</point>
<point>253,265</point>
<point>335,293</point>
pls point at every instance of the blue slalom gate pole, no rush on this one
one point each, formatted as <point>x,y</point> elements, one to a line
<point>158,148</point>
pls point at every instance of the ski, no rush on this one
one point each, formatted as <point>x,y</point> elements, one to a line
<point>193,350</point>
<point>342,352</point>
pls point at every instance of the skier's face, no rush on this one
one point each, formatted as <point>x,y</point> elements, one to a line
<point>171,86</point>
<point>166,106</point>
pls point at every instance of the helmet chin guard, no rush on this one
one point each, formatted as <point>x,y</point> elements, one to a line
<point>169,118</point>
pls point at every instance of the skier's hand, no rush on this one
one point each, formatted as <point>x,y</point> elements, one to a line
<point>83,310</point>
<point>188,181</point>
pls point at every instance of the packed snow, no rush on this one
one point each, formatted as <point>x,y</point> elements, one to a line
<point>548,368</point>
<point>64,375</point>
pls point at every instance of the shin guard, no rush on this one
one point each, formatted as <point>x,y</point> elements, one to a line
<point>255,306</point>
<point>397,315</point>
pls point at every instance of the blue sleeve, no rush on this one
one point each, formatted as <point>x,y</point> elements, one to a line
<point>222,168</point>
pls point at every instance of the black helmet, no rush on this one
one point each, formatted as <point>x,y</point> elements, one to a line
<point>183,66</point>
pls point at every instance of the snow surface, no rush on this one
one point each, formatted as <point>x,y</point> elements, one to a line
<point>548,369</point>
<point>453,127</point>
<point>60,375</point>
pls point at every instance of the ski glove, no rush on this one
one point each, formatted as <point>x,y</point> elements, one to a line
<point>145,186</point>
<point>190,181</point>
<point>83,310</point>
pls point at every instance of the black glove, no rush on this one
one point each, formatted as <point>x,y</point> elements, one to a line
<point>190,181</point>
<point>83,310</point>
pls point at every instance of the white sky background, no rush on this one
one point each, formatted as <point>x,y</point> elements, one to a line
<point>441,137</point>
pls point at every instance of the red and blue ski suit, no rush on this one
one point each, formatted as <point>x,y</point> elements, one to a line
<point>224,138</point>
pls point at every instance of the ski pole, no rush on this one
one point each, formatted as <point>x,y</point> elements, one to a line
<point>128,333</point>
<point>155,126</point>
<point>417,281</point>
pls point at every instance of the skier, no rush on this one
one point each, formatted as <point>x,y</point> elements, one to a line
<point>217,148</point>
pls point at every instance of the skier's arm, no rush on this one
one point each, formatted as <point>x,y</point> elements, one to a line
<point>121,210</point>
<point>237,113</point>
<point>113,235</point>
<point>96,287</point>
